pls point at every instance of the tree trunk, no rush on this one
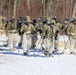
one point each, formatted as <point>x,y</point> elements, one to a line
<point>28,6</point>
<point>74,10</point>
<point>14,11</point>
<point>1,8</point>
<point>44,7</point>
<point>9,10</point>
<point>18,8</point>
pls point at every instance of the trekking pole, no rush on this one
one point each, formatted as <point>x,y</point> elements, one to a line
<point>64,39</point>
<point>65,45</point>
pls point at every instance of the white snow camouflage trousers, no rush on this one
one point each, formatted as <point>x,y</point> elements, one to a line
<point>48,44</point>
<point>26,42</point>
<point>12,40</point>
<point>38,43</point>
<point>72,44</point>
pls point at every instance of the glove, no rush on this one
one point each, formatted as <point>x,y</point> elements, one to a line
<point>71,33</point>
<point>43,37</point>
<point>57,31</point>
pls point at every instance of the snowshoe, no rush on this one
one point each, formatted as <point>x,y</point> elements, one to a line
<point>73,53</point>
<point>46,53</point>
<point>56,49</point>
<point>25,53</point>
<point>20,44</point>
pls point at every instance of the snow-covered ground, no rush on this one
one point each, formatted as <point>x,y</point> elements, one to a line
<point>14,63</point>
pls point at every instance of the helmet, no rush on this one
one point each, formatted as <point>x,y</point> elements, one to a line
<point>44,20</point>
<point>40,19</point>
<point>28,20</point>
<point>27,17</point>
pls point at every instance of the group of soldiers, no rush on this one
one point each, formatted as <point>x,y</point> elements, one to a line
<point>42,34</point>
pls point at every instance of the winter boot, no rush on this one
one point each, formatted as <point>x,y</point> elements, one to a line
<point>25,53</point>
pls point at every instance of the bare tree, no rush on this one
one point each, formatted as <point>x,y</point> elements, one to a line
<point>74,10</point>
<point>14,10</point>
<point>1,7</point>
<point>28,6</point>
<point>9,9</point>
<point>18,7</point>
<point>44,6</point>
<point>43,9</point>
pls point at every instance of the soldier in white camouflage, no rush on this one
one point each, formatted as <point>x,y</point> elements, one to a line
<point>56,30</point>
<point>27,38</point>
<point>38,30</point>
<point>2,24</point>
<point>66,22</point>
<point>71,31</point>
<point>34,35</point>
<point>12,33</point>
<point>47,38</point>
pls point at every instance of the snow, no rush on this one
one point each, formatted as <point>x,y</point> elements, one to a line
<point>14,63</point>
<point>3,40</point>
